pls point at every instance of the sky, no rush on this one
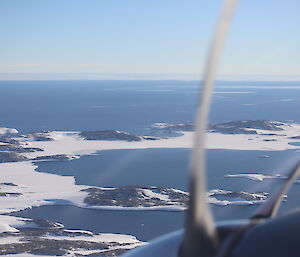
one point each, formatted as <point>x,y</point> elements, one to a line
<point>145,39</point>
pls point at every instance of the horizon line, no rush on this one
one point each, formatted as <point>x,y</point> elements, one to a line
<point>48,76</point>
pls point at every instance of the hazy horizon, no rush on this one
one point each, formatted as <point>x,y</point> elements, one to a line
<point>128,76</point>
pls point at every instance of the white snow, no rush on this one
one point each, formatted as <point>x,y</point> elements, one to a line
<point>86,252</point>
<point>212,198</point>
<point>10,240</point>
<point>150,194</point>
<point>129,242</point>
<point>4,131</point>
<point>125,241</point>
<point>160,125</point>
<point>255,141</point>
<point>37,188</point>
<point>105,238</point>
<point>215,201</point>
<point>179,191</point>
<point>8,223</point>
<point>70,143</point>
<point>254,176</point>
<point>79,231</point>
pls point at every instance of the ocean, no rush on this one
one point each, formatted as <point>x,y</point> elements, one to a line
<point>133,106</point>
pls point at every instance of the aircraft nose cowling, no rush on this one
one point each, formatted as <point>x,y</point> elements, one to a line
<point>166,246</point>
<point>276,237</point>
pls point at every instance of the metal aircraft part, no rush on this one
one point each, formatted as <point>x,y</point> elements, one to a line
<point>165,246</point>
<point>276,237</point>
<point>200,235</point>
<point>169,245</point>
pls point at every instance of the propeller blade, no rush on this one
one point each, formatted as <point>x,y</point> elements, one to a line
<point>200,235</point>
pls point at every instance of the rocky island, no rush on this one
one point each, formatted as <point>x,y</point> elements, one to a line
<point>136,197</point>
<point>42,237</point>
<point>109,135</point>
<point>162,198</point>
<point>246,127</point>
<point>230,127</point>
<point>13,146</point>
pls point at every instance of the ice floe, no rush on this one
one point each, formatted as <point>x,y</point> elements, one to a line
<point>225,197</point>
<point>259,176</point>
<point>255,176</point>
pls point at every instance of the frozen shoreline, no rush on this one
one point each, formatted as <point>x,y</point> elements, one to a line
<point>34,188</point>
<point>30,237</point>
<point>38,188</point>
<point>70,143</point>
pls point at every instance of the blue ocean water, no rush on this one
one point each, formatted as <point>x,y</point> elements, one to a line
<point>295,143</point>
<point>169,168</point>
<point>133,106</point>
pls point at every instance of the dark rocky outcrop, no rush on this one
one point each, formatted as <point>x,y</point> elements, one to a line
<point>109,135</point>
<point>295,137</point>
<point>242,126</point>
<point>56,157</point>
<point>9,194</point>
<point>11,157</point>
<point>135,196</point>
<point>230,127</point>
<point>19,149</point>
<point>38,136</point>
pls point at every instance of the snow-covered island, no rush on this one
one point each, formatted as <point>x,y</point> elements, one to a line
<point>38,237</point>
<point>142,198</point>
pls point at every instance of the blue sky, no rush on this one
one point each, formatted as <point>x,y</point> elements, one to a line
<point>168,38</point>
